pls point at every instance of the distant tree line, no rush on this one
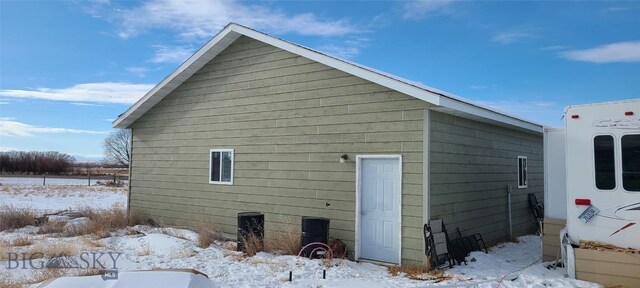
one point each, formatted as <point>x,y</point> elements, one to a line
<point>35,162</point>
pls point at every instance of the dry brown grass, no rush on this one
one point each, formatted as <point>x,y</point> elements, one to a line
<point>12,217</point>
<point>182,253</point>
<point>40,250</point>
<point>20,241</point>
<point>286,242</point>
<point>36,276</point>
<point>4,252</point>
<point>252,244</point>
<point>145,250</point>
<point>208,231</point>
<point>49,250</point>
<point>417,272</point>
<point>56,227</point>
<point>41,275</point>
<point>90,242</point>
<point>103,222</point>
<point>89,272</point>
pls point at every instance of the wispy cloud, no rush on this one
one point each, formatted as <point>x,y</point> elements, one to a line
<point>7,149</point>
<point>615,9</point>
<point>84,104</point>
<point>196,19</point>
<point>545,112</point>
<point>138,71</point>
<point>83,156</point>
<point>554,47</point>
<point>479,87</point>
<point>15,128</point>
<point>614,52</point>
<point>346,49</point>
<point>104,92</point>
<point>417,9</point>
<point>512,35</point>
<point>170,54</point>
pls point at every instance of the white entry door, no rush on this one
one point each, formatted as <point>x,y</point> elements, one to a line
<point>379,205</point>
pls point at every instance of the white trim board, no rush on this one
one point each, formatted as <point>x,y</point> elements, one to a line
<point>358,193</point>
<point>233,31</point>
<point>426,128</point>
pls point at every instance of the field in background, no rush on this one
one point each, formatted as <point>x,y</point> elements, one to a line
<point>59,194</point>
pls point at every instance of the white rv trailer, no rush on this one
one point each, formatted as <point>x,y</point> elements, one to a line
<point>600,173</point>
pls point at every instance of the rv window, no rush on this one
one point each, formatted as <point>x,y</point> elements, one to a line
<point>522,172</point>
<point>221,166</point>
<point>604,162</point>
<point>631,162</point>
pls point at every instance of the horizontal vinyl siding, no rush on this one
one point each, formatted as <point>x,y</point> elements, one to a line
<point>471,165</point>
<point>288,119</point>
<point>551,238</point>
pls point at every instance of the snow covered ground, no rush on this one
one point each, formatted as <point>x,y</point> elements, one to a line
<point>18,193</point>
<point>144,247</point>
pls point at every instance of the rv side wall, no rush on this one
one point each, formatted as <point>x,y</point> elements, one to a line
<point>605,210</point>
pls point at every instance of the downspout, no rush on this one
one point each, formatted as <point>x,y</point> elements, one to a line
<point>129,180</point>
<point>509,207</point>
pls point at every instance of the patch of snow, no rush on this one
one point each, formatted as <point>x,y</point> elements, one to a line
<point>77,223</point>
<point>47,199</point>
<point>506,265</point>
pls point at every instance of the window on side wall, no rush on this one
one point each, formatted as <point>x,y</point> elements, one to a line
<point>604,161</point>
<point>631,162</point>
<point>221,166</point>
<point>522,172</point>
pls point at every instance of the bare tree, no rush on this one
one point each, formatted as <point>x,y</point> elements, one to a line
<point>117,147</point>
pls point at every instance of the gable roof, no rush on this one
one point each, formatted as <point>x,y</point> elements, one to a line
<point>443,101</point>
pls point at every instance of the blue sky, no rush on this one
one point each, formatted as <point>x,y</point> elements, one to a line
<point>68,68</point>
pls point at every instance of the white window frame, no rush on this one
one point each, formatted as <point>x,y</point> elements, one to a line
<point>526,172</point>
<point>211,166</point>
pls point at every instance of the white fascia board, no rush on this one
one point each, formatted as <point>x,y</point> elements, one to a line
<point>177,77</point>
<point>344,66</point>
<point>487,113</point>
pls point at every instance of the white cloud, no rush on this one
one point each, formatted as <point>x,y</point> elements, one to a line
<point>7,149</point>
<point>84,104</point>
<point>82,156</point>
<point>138,71</point>
<point>4,103</point>
<point>615,9</point>
<point>346,49</point>
<point>15,128</point>
<point>478,87</point>
<point>104,92</point>
<point>340,51</point>
<point>417,9</point>
<point>109,119</point>
<point>170,54</point>
<point>544,112</point>
<point>553,47</point>
<point>196,19</point>
<point>614,52</point>
<point>512,36</point>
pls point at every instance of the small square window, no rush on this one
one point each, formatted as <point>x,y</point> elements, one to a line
<point>522,172</point>
<point>221,166</point>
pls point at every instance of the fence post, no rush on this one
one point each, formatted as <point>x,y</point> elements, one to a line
<point>89,176</point>
<point>44,180</point>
